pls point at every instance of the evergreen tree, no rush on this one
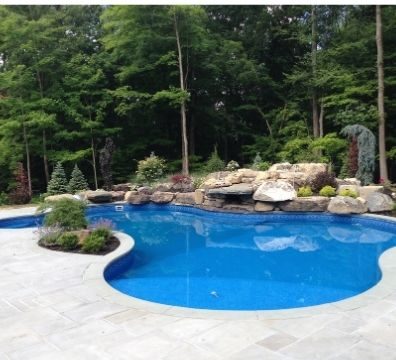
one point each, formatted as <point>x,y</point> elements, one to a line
<point>58,182</point>
<point>77,181</point>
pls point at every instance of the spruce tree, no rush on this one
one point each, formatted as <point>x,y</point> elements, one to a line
<point>77,181</point>
<point>58,182</point>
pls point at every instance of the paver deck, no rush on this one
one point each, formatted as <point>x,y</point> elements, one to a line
<point>51,307</point>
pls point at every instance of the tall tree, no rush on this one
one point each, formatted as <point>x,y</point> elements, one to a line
<point>381,88</point>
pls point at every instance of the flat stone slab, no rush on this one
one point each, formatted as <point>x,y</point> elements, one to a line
<point>312,203</point>
<point>236,189</point>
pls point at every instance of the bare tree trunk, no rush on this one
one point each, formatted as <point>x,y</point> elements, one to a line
<point>183,105</point>
<point>381,89</point>
<point>94,161</point>
<point>45,157</point>
<point>315,117</point>
<point>321,117</point>
<point>27,151</point>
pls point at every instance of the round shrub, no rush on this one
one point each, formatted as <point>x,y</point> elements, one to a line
<point>328,191</point>
<point>348,192</point>
<point>150,169</point>
<point>68,241</point>
<point>67,213</point>
<point>214,163</point>
<point>232,165</point>
<point>93,243</point>
<point>323,179</point>
<point>102,231</point>
<point>304,191</point>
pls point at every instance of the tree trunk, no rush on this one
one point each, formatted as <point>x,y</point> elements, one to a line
<point>321,117</point>
<point>45,158</point>
<point>94,161</point>
<point>27,151</point>
<point>315,117</point>
<point>183,105</point>
<point>381,88</point>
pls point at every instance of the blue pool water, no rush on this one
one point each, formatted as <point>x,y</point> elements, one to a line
<point>193,258</point>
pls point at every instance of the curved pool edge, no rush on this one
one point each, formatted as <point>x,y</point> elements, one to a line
<point>94,276</point>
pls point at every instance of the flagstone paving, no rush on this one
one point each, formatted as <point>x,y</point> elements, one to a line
<point>48,310</point>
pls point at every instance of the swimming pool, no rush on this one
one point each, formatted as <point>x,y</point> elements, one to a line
<point>193,258</point>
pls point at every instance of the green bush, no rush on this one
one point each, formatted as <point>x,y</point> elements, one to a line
<point>102,231</point>
<point>323,179</point>
<point>93,243</point>
<point>348,192</point>
<point>214,162</point>
<point>3,198</point>
<point>150,169</point>
<point>259,164</point>
<point>68,241</point>
<point>232,165</point>
<point>328,191</point>
<point>304,191</point>
<point>67,213</point>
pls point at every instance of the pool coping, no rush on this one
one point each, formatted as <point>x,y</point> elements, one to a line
<point>94,277</point>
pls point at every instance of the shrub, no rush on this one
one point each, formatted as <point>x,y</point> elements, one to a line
<point>328,191</point>
<point>49,235</point>
<point>304,191</point>
<point>77,182</point>
<point>197,181</point>
<point>259,164</point>
<point>20,194</point>
<point>232,166</point>
<point>58,182</point>
<point>150,169</point>
<point>67,213</point>
<point>94,243</point>
<point>68,241</point>
<point>348,192</point>
<point>3,198</point>
<point>181,179</point>
<point>323,179</point>
<point>214,162</point>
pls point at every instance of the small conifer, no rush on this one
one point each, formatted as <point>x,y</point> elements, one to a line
<point>77,182</point>
<point>58,182</point>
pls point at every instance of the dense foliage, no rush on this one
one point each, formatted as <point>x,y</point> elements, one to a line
<point>58,183</point>
<point>72,76</point>
<point>77,181</point>
<point>67,214</point>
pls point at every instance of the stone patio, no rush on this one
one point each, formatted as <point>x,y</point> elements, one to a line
<point>55,306</point>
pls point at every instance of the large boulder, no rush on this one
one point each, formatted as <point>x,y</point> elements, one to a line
<point>164,187</point>
<point>348,181</point>
<point>236,189</point>
<point>280,167</point>
<point>117,195</point>
<point>366,191</point>
<point>309,169</point>
<point>52,198</point>
<point>99,196</point>
<point>185,198</point>
<point>160,197</point>
<point>215,183</point>
<point>346,205</point>
<point>122,187</point>
<point>274,191</point>
<point>136,197</point>
<point>378,202</point>
<point>312,203</point>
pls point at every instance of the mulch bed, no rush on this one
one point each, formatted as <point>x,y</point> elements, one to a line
<point>111,245</point>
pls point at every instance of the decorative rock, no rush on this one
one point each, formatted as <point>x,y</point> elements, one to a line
<point>180,187</point>
<point>160,197</point>
<point>238,207</point>
<point>185,198</point>
<point>59,197</point>
<point>248,173</point>
<point>312,203</point>
<point>214,202</point>
<point>117,195</point>
<point>280,166</point>
<point>99,196</point>
<point>351,187</point>
<point>262,175</point>
<point>366,191</point>
<point>145,190</point>
<point>122,187</point>
<point>346,205</point>
<point>236,189</point>
<point>234,178</point>
<point>263,206</point>
<point>199,196</point>
<point>274,191</point>
<point>134,197</point>
<point>309,169</point>
<point>378,202</point>
<point>165,187</point>
<point>213,183</point>
<point>348,181</point>
<point>218,175</point>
